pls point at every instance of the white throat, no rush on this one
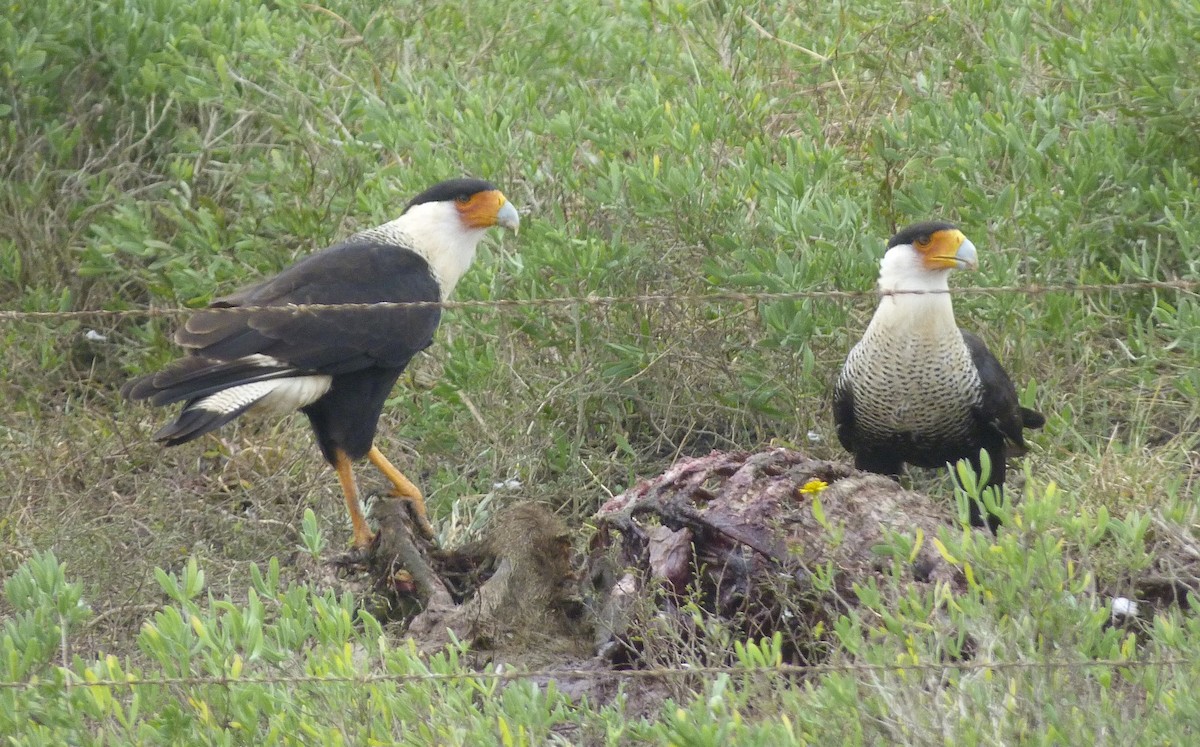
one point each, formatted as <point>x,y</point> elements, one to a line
<point>435,231</point>
<point>901,269</point>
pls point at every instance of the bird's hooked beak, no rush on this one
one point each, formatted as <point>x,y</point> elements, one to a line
<point>508,217</point>
<point>949,249</point>
<point>966,256</point>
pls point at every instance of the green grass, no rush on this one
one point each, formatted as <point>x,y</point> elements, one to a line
<point>160,153</point>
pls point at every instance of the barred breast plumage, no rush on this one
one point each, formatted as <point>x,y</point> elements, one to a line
<point>912,392</point>
<point>916,389</point>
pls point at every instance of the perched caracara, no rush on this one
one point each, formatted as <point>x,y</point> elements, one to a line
<point>336,366</point>
<point>917,389</point>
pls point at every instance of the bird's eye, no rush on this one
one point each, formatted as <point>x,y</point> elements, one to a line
<point>462,199</point>
<point>923,241</point>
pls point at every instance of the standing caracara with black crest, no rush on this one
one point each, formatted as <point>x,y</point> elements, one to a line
<point>916,389</point>
<point>260,350</point>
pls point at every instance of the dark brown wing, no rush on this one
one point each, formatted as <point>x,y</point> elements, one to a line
<point>227,344</point>
<point>325,340</point>
<point>1000,409</point>
<point>843,413</point>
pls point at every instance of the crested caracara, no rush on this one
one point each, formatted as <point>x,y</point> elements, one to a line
<point>916,389</point>
<point>256,350</point>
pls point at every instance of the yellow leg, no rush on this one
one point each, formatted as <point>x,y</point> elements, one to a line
<point>363,536</point>
<point>402,487</point>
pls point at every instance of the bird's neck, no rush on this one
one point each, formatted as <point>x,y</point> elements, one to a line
<point>450,261</point>
<point>915,301</point>
<point>437,234</point>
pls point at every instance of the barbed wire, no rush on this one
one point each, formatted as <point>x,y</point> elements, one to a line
<point>75,680</point>
<point>503,675</point>
<point>597,300</point>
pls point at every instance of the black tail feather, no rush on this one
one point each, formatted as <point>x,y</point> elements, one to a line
<point>194,377</point>
<point>1032,418</point>
<point>193,423</point>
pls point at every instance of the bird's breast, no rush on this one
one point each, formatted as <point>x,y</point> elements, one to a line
<point>918,386</point>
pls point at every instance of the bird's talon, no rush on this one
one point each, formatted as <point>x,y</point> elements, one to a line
<point>363,542</point>
<point>354,557</point>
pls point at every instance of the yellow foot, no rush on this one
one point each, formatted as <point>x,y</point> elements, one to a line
<point>403,488</point>
<point>363,538</point>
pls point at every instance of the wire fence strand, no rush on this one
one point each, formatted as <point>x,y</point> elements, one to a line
<point>72,679</point>
<point>505,675</point>
<point>723,296</point>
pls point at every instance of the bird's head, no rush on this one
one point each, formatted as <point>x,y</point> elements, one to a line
<point>469,205</point>
<point>922,255</point>
<point>445,223</point>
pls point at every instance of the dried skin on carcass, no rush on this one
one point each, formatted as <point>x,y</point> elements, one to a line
<point>736,531</point>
